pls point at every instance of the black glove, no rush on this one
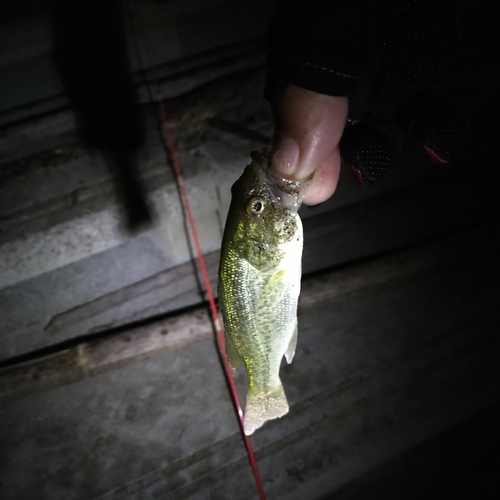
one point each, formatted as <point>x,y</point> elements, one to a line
<point>371,147</point>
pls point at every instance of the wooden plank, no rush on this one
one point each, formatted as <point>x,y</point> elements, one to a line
<point>92,356</point>
<point>332,238</point>
<point>87,358</point>
<point>176,279</point>
<point>378,369</point>
<point>174,78</point>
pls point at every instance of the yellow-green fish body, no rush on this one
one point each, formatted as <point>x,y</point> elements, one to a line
<point>259,284</point>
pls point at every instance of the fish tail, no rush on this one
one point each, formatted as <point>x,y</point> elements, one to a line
<point>264,406</point>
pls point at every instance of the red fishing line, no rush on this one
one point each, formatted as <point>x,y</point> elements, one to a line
<point>213,308</point>
<point>210,296</point>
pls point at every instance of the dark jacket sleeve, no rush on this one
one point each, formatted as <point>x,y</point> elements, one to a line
<point>324,46</point>
<point>381,52</point>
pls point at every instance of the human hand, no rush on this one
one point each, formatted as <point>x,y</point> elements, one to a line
<point>306,140</point>
<point>310,126</point>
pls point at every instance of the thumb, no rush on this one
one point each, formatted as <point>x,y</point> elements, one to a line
<point>308,130</point>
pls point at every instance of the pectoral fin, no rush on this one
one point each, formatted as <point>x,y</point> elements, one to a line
<point>292,345</point>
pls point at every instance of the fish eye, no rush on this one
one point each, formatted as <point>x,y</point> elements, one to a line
<point>255,206</point>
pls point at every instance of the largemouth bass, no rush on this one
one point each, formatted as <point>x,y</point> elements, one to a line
<point>259,284</point>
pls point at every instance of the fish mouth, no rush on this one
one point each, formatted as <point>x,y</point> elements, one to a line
<point>285,192</point>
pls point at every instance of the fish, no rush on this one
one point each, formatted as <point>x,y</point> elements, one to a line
<point>259,283</point>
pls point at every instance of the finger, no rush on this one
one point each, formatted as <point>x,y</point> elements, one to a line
<point>325,180</point>
<point>308,129</point>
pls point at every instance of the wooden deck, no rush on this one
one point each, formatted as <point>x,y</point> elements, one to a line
<point>110,383</point>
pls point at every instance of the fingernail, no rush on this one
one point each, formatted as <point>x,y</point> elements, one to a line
<point>285,157</point>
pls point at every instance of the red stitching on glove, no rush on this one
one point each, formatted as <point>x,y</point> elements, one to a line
<point>356,173</point>
<point>434,156</point>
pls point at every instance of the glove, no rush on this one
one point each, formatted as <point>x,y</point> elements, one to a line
<point>371,147</point>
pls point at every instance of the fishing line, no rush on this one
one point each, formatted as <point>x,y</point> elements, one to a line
<point>170,146</point>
